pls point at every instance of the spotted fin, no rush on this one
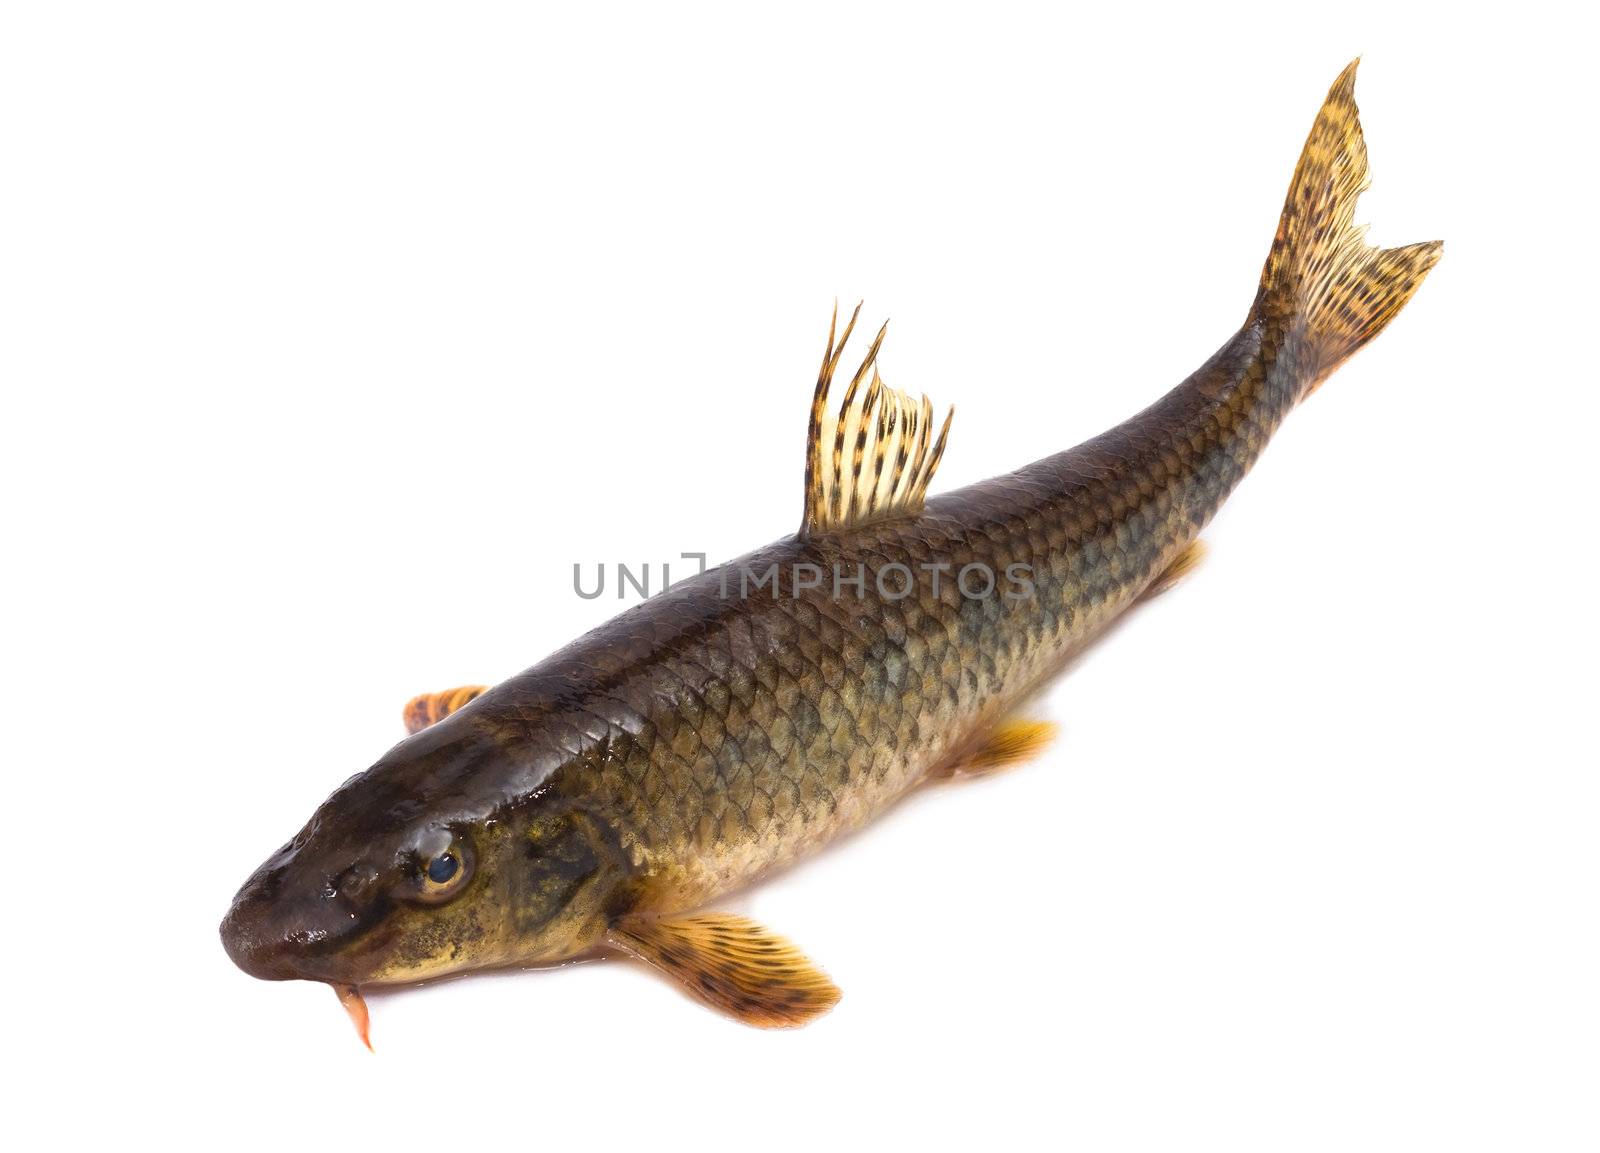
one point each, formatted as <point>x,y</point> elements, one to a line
<point>1334,289</point>
<point>874,457</point>
<point>1013,741</point>
<point>732,964</point>
<point>431,708</point>
<point>1184,564</point>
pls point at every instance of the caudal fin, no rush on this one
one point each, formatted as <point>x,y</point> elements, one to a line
<point>1323,281</point>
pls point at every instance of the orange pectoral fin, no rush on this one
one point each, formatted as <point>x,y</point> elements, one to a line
<point>732,964</point>
<point>431,708</point>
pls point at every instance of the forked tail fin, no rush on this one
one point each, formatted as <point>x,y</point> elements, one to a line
<point>1322,279</point>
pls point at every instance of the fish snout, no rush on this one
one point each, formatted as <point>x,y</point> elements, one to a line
<point>292,920</point>
<point>253,935</point>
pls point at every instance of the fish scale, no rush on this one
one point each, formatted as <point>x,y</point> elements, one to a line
<point>844,704</point>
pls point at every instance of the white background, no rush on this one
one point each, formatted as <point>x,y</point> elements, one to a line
<point>333,335</point>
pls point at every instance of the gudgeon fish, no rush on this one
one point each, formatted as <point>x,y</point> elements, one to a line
<point>603,800</point>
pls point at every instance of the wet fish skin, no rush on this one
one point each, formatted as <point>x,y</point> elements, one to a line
<point>722,737</point>
<point>715,733</point>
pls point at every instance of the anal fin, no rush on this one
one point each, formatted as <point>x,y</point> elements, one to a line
<point>1182,565</point>
<point>430,708</point>
<point>732,964</point>
<point>1011,742</point>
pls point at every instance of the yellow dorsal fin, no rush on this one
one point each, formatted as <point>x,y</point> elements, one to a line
<point>872,458</point>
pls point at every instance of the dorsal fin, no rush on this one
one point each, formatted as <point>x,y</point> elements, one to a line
<point>871,459</point>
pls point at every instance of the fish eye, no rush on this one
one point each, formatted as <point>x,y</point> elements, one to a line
<point>443,868</point>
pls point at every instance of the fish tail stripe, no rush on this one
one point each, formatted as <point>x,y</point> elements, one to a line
<point>1322,279</point>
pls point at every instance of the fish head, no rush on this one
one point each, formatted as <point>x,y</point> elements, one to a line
<point>323,909</point>
<point>405,873</point>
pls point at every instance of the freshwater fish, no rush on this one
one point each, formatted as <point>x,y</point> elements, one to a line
<point>606,798</point>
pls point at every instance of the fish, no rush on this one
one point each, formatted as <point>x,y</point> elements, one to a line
<point>606,799</point>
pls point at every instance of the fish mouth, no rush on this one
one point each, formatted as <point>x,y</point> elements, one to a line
<point>262,958</point>
<point>265,949</point>
<point>275,936</point>
<point>259,954</point>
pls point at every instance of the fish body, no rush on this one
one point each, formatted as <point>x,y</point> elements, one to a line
<point>744,718</point>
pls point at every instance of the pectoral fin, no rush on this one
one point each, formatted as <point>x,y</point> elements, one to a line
<point>1011,742</point>
<point>732,964</point>
<point>430,708</point>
